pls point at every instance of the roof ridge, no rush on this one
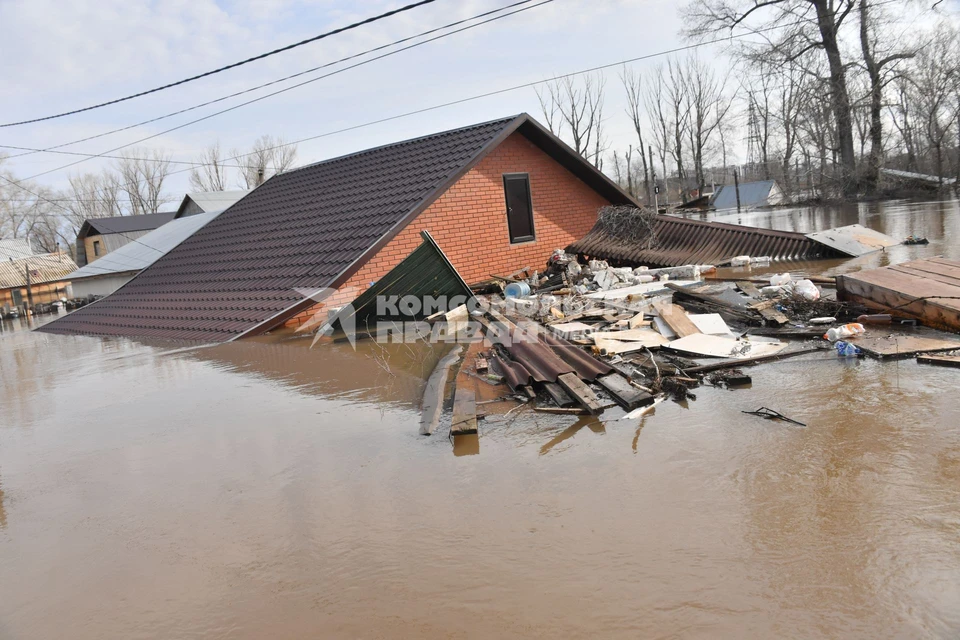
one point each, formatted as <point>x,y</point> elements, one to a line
<point>504,120</point>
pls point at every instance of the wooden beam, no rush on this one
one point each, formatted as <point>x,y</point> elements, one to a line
<point>464,413</point>
<point>580,392</point>
<point>625,394</point>
<point>943,361</point>
<point>676,318</point>
<point>736,364</point>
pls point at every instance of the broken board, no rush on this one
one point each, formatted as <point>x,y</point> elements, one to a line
<point>609,347</point>
<point>624,393</point>
<point>710,323</point>
<point>580,392</point>
<point>636,290</point>
<point>676,318</point>
<point>572,330</point>
<point>943,361</point>
<point>464,413</point>
<point>901,346</point>
<point>853,240</point>
<point>722,347</point>
<point>631,335</point>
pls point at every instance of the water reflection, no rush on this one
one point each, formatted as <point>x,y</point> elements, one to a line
<point>591,422</point>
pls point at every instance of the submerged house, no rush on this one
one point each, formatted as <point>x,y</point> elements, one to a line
<point>99,236</point>
<point>112,271</point>
<point>762,193</point>
<point>48,275</point>
<point>496,197</point>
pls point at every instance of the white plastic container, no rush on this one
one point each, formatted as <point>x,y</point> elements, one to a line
<point>740,261</point>
<point>779,279</point>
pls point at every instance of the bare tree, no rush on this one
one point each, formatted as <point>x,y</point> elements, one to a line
<point>633,86</point>
<point>141,177</point>
<point>799,27</point>
<point>877,72</point>
<point>707,107</point>
<point>934,84</point>
<point>574,111</point>
<point>655,99</point>
<point>268,156</point>
<point>211,174</point>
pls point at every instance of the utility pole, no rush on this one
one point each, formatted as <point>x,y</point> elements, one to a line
<point>736,186</point>
<point>29,288</point>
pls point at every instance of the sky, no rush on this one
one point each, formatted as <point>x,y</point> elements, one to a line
<point>70,55</point>
<point>64,55</point>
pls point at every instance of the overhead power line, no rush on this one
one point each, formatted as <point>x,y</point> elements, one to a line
<point>31,151</point>
<point>227,67</point>
<point>291,87</point>
<point>495,92</point>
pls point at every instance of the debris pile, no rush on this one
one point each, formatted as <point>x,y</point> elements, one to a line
<point>583,336</point>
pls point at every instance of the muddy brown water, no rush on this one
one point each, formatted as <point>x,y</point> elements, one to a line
<point>264,490</point>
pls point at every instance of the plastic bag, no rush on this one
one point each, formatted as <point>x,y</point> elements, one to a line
<point>807,289</point>
<point>845,331</point>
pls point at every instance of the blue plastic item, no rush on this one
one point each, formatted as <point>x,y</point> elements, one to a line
<point>845,349</point>
<point>517,290</point>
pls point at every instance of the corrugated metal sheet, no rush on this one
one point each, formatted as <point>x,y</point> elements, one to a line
<point>752,194</point>
<point>853,240</point>
<point>126,224</point>
<point>538,356</point>
<point>680,241</point>
<point>48,267</point>
<point>136,256</point>
<point>15,248</point>
<point>425,272</point>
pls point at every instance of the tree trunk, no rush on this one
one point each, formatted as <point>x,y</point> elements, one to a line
<point>839,97</point>
<point>871,173</point>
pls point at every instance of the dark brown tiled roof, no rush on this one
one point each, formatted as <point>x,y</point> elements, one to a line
<point>300,229</point>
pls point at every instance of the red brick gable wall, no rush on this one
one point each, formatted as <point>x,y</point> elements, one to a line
<point>469,220</point>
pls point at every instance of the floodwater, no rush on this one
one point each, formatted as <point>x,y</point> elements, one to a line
<point>265,490</point>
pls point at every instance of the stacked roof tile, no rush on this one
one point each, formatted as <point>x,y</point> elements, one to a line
<point>299,230</point>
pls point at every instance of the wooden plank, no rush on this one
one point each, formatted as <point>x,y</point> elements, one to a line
<point>624,393</point>
<point>580,392</point>
<point>558,394</point>
<point>637,321</point>
<point>464,413</point>
<point>933,313</point>
<point>936,265</point>
<point>943,361</point>
<point>927,275</point>
<point>628,335</point>
<point>721,347</point>
<point>749,288</point>
<point>575,411</point>
<point>434,392</point>
<point>676,318</point>
<point>607,347</point>
<point>900,346</point>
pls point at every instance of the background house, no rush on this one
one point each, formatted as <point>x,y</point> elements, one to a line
<point>206,201</point>
<point>99,236</point>
<point>496,196</point>
<point>15,248</point>
<point>752,194</point>
<point>112,271</point>
<point>48,279</point>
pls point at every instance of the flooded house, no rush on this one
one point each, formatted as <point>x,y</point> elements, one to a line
<point>496,197</point>
<point>99,236</point>
<point>43,277</point>
<point>114,270</point>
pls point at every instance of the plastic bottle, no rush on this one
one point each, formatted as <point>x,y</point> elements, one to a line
<point>780,279</point>
<point>516,290</point>
<point>846,331</point>
<point>845,349</point>
<point>740,261</point>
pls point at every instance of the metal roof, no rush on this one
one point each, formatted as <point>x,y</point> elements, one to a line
<point>752,194</point>
<point>680,241</point>
<point>138,255</point>
<point>211,200</point>
<point>15,248</point>
<point>47,267</point>
<point>308,228</point>
<point>124,224</point>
